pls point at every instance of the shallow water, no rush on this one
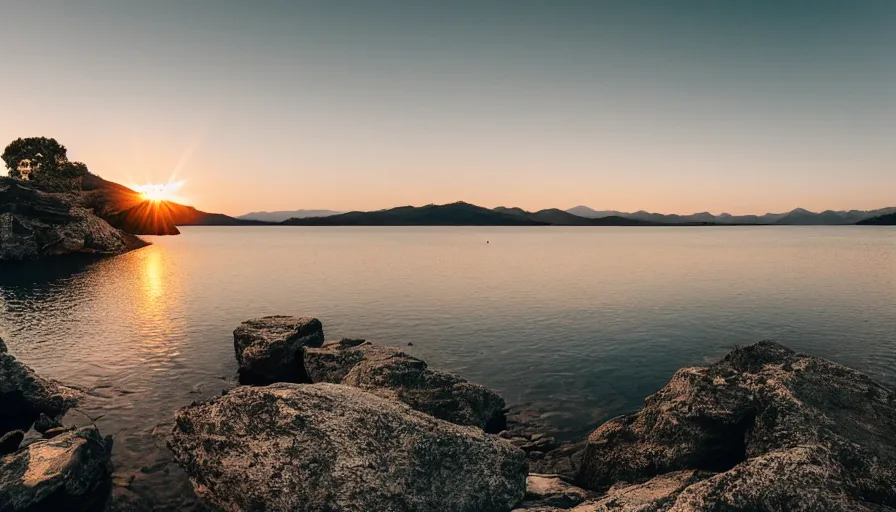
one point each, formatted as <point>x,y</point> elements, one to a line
<point>579,324</point>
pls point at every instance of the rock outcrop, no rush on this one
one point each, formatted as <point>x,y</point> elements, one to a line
<point>69,472</point>
<point>36,224</point>
<point>393,374</point>
<point>551,492</point>
<point>24,395</point>
<point>764,429</point>
<point>269,349</point>
<point>329,447</point>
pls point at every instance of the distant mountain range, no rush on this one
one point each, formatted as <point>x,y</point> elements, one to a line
<point>124,207</point>
<point>454,214</point>
<point>798,216</point>
<point>280,216</point>
<point>463,214</point>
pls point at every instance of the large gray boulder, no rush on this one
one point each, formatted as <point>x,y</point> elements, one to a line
<point>24,395</point>
<point>390,373</point>
<point>269,349</point>
<point>322,447</point>
<point>773,429</point>
<point>70,472</point>
<point>35,224</point>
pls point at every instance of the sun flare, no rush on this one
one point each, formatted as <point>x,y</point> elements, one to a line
<point>159,191</point>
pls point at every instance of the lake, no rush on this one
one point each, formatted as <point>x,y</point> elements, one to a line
<point>576,324</point>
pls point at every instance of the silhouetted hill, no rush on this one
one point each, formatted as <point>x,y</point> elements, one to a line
<point>584,211</point>
<point>559,217</point>
<point>461,214</point>
<point>888,219</point>
<point>280,216</point>
<point>644,216</point>
<point>454,214</point>
<point>127,209</point>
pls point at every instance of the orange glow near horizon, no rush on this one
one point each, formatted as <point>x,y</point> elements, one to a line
<point>156,192</point>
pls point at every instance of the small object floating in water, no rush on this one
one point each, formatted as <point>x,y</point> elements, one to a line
<point>410,343</point>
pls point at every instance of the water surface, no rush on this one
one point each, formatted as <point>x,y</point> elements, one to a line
<point>579,324</point>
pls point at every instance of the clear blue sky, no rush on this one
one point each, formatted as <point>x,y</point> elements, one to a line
<point>739,106</point>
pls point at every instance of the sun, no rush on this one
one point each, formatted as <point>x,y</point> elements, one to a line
<point>156,192</point>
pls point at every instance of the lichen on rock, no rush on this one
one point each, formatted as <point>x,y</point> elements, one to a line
<point>782,430</point>
<point>391,373</point>
<point>313,447</point>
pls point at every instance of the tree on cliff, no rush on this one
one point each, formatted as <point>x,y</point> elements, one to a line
<point>45,162</point>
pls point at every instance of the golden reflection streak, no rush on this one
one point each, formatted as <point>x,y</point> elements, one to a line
<point>156,305</point>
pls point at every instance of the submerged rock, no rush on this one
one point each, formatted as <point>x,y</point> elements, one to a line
<point>36,224</point>
<point>390,373</point>
<point>24,396</point>
<point>783,431</point>
<point>328,447</point>
<point>70,472</point>
<point>269,349</point>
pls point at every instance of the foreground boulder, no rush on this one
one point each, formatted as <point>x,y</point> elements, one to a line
<point>393,374</point>
<point>269,349</point>
<point>69,472</point>
<point>36,224</point>
<point>24,396</point>
<point>327,447</point>
<point>655,495</point>
<point>770,429</point>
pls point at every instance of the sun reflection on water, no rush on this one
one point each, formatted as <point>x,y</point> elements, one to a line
<point>160,324</point>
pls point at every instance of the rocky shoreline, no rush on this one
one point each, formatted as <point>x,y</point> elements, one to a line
<point>43,464</point>
<point>352,425</point>
<point>37,224</point>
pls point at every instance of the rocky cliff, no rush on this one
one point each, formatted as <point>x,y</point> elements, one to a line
<point>36,224</point>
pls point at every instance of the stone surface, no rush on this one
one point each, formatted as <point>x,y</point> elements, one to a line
<point>269,349</point>
<point>36,224</point>
<point>784,431</point>
<point>551,491</point>
<point>393,374</point>
<point>24,395</point>
<point>565,460</point>
<point>70,472</point>
<point>322,447</point>
<point>44,423</point>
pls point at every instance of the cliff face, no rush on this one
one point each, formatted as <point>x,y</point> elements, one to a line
<point>36,224</point>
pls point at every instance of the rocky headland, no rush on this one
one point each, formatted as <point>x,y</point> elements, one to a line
<point>37,224</point>
<point>359,426</point>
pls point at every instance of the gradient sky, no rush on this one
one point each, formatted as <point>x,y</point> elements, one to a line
<point>682,106</point>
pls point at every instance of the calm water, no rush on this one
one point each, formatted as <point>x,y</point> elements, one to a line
<point>576,323</point>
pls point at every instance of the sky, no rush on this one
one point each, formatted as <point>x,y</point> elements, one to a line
<point>675,107</point>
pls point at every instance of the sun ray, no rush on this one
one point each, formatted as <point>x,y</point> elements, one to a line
<point>156,192</point>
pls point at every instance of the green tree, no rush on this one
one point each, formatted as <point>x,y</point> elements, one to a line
<point>49,164</point>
